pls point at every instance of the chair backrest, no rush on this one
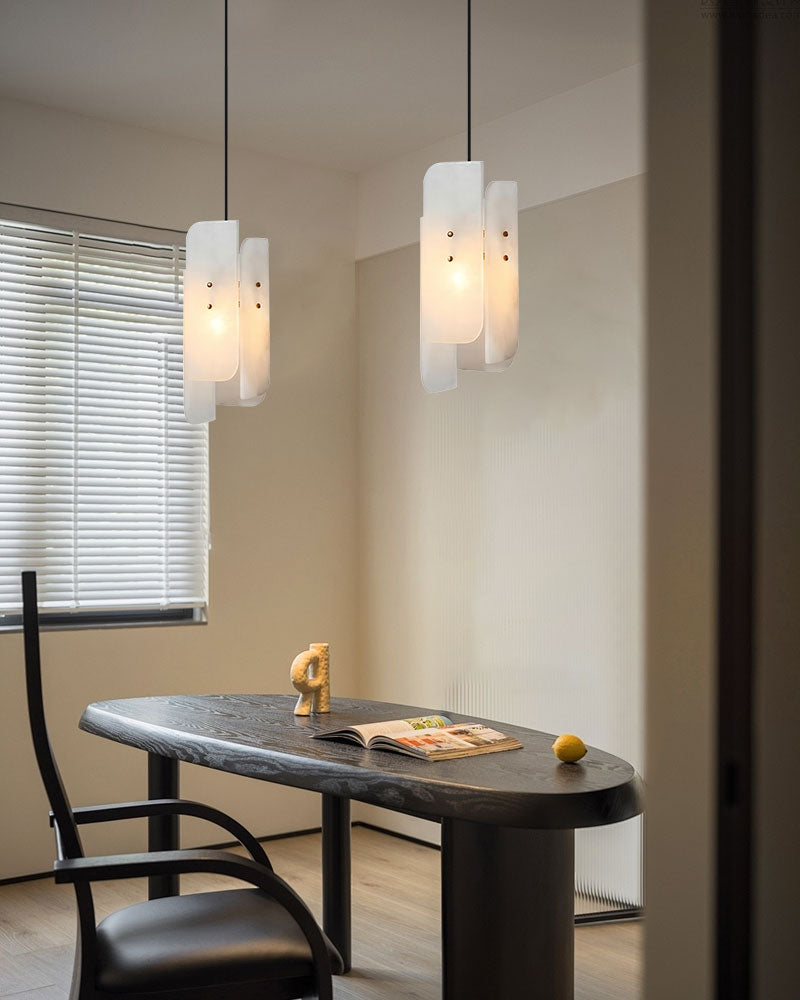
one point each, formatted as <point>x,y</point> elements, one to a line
<point>66,828</point>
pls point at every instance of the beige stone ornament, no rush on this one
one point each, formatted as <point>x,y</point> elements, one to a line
<point>311,676</point>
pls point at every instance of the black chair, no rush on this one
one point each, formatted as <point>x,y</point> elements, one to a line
<point>258,943</point>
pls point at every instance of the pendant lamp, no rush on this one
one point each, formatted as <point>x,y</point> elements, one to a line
<point>225,311</point>
<point>469,269</point>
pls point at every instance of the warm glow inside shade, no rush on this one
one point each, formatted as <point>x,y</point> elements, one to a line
<point>451,252</point>
<point>469,274</point>
<point>254,319</point>
<point>501,295</point>
<point>226,320</point>
<point>249,385</point>
<point>211,301</point>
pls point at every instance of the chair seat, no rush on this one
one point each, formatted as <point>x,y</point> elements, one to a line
<point>204,939</point>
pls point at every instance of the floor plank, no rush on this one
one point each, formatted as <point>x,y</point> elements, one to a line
<point>395,926</point>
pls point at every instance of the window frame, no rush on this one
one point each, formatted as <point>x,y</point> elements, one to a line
<point>67,620</point>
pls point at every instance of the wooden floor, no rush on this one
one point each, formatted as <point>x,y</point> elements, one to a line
<point>395,926</point>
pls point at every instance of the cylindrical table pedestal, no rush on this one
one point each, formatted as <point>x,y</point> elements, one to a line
<point>508,901</point>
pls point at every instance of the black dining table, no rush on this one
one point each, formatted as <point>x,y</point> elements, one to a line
<point>507,819</point>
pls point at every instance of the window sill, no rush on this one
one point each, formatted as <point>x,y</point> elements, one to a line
<point>65,621</point>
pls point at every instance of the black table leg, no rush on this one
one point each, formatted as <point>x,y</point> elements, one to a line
<point>507,912</point>
<point>162,831</point>
<point>336,874</point>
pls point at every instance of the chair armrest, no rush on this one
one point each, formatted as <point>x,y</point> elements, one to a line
<point>170,807</point>
<point>100,869</point>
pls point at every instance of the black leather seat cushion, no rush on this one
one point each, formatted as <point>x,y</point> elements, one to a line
<point>204,939</point>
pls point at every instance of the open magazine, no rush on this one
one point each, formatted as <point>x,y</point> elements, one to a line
<point>431,737</point>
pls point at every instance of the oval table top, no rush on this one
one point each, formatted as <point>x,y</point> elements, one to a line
<point>259,736</point>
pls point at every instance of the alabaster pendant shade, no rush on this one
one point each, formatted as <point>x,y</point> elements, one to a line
<point>210,301</point>
<point>469,274</point>
<point>251,380</point>
<point>226,320</point>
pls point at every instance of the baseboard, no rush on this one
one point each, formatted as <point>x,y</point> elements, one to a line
<point>600,917</point>
<point>25,878</point>
<point>610,916</point>
<point>425,829</point>
<point>597,917</point>
<point>266,839</point>
<point>200,847</point>
<point>394,833</point>
<point>223,845</point>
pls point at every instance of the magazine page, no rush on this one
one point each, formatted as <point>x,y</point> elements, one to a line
<point>393,728</point>
<point>456,740</point>
<point>399,727</point>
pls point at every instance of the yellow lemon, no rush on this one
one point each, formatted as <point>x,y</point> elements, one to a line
<point>569,748</point>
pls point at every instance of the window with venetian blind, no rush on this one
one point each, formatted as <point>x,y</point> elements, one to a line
<point>103,484</point>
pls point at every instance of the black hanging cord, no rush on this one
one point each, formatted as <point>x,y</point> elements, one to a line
<point>469,79</point>
<point>226,109</point>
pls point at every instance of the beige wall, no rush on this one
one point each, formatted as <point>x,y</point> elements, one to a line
<point>575,141</point>
<point>540,466</point>
<point>500,523</point>
<point>681,519</point>
<point>282,475</point>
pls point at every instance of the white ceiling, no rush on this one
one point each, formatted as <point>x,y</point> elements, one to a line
<point>344,83</point>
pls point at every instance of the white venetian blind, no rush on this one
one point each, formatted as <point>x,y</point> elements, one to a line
<point>103,484</point>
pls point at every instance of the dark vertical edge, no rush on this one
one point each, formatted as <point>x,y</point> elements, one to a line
<point>776,801</point>
<point>162,831</point>
<point>336,906</point>
<point>736,516</point>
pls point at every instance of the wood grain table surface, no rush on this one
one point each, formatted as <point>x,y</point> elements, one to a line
<point>259,736</point>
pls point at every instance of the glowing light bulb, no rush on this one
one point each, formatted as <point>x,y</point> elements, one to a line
<point>460,280</point>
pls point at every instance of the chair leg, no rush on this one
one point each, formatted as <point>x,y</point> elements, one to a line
<point>83,967</point>
<point>75,992</point>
